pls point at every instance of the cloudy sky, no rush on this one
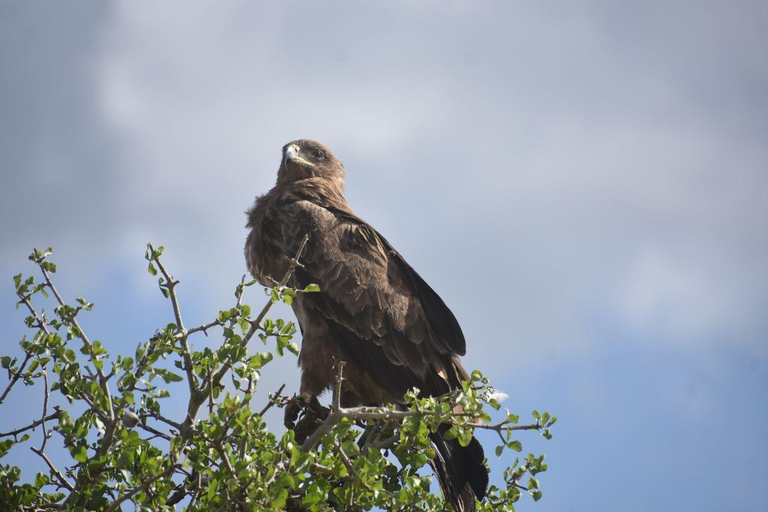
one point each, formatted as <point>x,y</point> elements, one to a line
<point>586,186</point>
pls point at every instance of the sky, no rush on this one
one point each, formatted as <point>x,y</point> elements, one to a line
<point>586,186</point>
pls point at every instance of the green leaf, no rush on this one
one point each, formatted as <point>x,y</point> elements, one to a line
<point>69,355</point>
<point>340,471</point>
<point>97,503</point>
<point>171,377</point>
<point>279,500</point>
<point>351,448</point>
<point>41,479</point>
<point>311,288</point>
<point>314,495</point>
<point>79,453</point>
<point>451,433</point>
<point>5,446</point>
<point>285,480</point>
<point>213,486</point>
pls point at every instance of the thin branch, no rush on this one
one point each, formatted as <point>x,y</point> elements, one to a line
<point>55,471</point>
<point>45,408</point>
<point>355,475</point>
<point>197,397</point>
<point>377,413</point>
<point>81,334</point>
<point>333,418</point>
<point>257,321</point>
<point>377,443</point>
<point>210,394</point>
<point>160,417</point>
<point>40,325</point>
<point>272,401</point>
<point>170,285</point>
<point>337,390</point>
<point>16,376</point>
<point>224,457</point>
<point>240,289</point>
<point>348,463</point>
<point>96,410</point>
<point>143,487</point>
<point>32,425</point>
<point>154,431</point>
<point>203,328</point>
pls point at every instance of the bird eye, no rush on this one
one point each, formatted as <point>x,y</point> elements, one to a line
<point>319,154</point>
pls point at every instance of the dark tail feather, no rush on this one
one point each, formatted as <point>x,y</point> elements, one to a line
<point>460,471</point>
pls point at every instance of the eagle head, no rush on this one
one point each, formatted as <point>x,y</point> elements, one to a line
<point>309,159</point>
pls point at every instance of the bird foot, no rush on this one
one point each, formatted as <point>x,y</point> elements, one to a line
<point>309,413</point>
<point>302,404</point>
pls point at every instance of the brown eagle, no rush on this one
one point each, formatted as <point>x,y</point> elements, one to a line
<point>374,311</point>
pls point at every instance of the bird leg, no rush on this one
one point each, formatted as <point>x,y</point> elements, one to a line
<point>309,413</point>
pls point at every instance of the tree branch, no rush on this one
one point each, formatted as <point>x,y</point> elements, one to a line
<point>63,481</point>
<point>143,487</point>
<point>170,285</point>
<point>32,425</point>
<point>257,321</point>
<point>80,334</point>
<point>24,299</point>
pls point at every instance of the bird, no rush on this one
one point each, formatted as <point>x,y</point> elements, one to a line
<point>374,312</point>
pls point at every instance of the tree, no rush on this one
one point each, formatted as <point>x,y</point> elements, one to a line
<point>221,455</point>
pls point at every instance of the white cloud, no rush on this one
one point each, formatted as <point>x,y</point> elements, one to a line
<point>580,179</point>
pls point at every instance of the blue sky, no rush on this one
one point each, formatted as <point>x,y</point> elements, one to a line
<point>586,186</point>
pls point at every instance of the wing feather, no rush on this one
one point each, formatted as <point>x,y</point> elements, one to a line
<point>380,307</point>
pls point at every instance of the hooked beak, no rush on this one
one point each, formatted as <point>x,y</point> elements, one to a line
<point>292,155</point>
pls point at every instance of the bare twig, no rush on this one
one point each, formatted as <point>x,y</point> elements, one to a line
<point>203,328</point>
<point>170,285</point>
<point>198,396</point>
<point>272,401</point>
<point>160,417</point>
<point>45,408</point>
<point>144,486</point>
<point>334,417</point>
<point>337,390</point>
<point>40,324</point>
<point>32,425</point>
<point>84,337</point>
<point>63,481</point>
<point>240,289</point>
<point>355,475</point>
<point>155,432</point>
<point>257,321</point>
<point>15,377</point>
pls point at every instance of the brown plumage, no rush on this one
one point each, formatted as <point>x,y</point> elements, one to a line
<point>374,311</point>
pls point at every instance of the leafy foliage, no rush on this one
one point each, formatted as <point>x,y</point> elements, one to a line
<point>123,448</point>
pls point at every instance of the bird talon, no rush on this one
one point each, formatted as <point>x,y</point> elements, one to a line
<point>296,406</point>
